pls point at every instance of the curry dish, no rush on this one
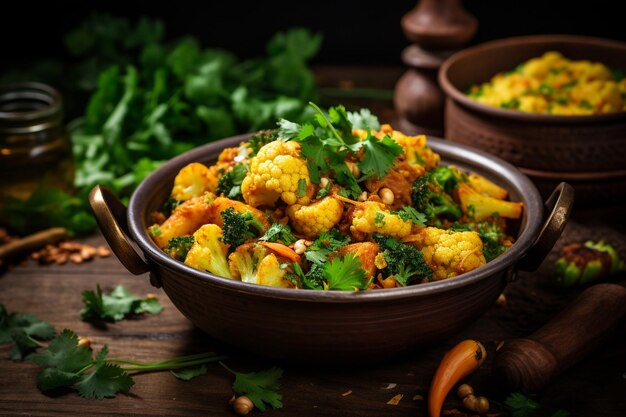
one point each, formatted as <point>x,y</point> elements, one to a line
<point>553,84</point>
<point>336,203</point>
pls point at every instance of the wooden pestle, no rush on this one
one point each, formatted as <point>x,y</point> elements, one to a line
<point>532,362</point>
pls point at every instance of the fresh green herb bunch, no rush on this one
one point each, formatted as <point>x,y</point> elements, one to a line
<point>581,264</point>
<point>152,100</point>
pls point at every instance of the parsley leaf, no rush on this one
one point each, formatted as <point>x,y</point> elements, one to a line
<point>345,274</point>
<point>261,387</point>
<point>379,155</point>
<point>117,305</point>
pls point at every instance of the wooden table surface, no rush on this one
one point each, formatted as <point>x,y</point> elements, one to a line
<point>595,386</point>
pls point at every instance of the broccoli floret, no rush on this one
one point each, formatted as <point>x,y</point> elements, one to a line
<point>238,227</point>
<point>279,233</point>
<point>314,279</point>
<point>448,177</point>
<point>229,184</point>
<point>170,204</point>
<point>404,261</point>
<point>430,198</point>
<point>178,247</point>
<point>257,141</point>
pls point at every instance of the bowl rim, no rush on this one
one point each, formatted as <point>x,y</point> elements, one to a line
<point>459,97</point>
<point>529,230</point>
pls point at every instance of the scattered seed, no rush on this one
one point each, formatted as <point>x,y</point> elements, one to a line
<point>345,394</point>
<point>395,400</point>
<point>418,398</point>
<point>76,258</point>
<point>501,301</point>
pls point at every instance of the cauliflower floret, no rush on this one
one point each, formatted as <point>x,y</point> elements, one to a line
<point>192,181</point>
<point>277,171</point>
<point>208,252</point>
<point>318,217</point>
<point>184,220</point>
<point>449,253</point>
<point>254,264</point>
<point>373,217</point>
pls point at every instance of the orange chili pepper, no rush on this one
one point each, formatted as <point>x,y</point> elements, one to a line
<point>457,363</point>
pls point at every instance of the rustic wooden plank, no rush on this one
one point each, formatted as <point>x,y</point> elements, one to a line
<point>593,387</point>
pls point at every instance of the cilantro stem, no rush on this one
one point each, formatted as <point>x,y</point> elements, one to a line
<point>172,365</point>
<point>179,359</point>
<point>37,342</point>
<point>227,368</point>
<point>330,124</point>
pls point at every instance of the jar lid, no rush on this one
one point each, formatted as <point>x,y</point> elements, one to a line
<point>29,107</point>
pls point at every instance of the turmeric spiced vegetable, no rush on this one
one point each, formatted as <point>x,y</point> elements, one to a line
<point>457,363</point>
<point>337,203</point>
<point>554,84</point>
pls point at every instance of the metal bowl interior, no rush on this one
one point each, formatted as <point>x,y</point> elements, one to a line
<point>298,324</point>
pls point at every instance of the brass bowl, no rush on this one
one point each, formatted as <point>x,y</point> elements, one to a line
<point>588,152</point>
<point>324,326</point>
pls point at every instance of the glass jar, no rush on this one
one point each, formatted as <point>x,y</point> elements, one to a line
<point>35,149</point>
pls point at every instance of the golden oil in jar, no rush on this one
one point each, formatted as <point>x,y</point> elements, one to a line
<point>35,148</point>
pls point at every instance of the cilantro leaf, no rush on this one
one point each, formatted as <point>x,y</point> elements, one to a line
<point>324,245</point>
<point>364,119</point>
<point>345,274</point>
<point>190,373</point>
<point>117,305</point>
<point>408,213</point>
<point>51,378</point>
<point>261,387</point>
<point>25,330</point>
<point>287,129</point>
<point>64,354</point>
<point>106,380</point>
<point>520,405</point>
<point>379,155</point>
<point>279,232</point>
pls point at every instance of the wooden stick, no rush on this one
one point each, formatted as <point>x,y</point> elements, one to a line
<point>31,242</point>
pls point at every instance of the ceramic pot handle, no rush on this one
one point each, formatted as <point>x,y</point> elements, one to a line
<point>110,214</point>
<point>559,206</point>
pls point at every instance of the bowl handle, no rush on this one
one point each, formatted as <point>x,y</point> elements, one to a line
<point>110,214</point>
<point>559,205</point>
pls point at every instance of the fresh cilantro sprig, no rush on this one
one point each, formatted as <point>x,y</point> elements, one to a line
<point>25,331</point>
<point>263,387</point>
<point>117,305</point>
<point>345,274</point>
<point>521,406</point>
<point>279,232</point>
<point>68,364</point>
<point>325,244</point>
<point>327,142</point>
<point>408,213</point>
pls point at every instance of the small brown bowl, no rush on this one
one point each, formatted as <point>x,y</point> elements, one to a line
<point>325,326</point>
<point>588,152</point>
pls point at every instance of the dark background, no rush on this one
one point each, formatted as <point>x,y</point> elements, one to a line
<point>354,32</point>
